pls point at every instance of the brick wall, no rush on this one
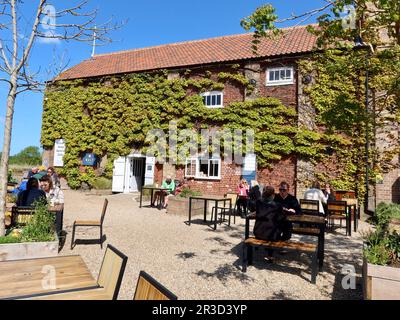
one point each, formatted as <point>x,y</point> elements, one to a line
<point>389,190</point>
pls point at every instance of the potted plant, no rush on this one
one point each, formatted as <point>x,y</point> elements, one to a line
<point>179,205</point>
<point>381,269</point>
<point>37,239</point>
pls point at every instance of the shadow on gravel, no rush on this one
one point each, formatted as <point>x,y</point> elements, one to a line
<point>88,242</point>
<point>224,273</point>
<point>186,255</point>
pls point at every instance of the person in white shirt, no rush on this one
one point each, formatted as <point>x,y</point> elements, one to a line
<point>53,194</point>
<point>315,193</point>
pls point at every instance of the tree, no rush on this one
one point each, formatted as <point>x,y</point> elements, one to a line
<point>68,23</point>
<point>30,155</point>
<point>339,92</point>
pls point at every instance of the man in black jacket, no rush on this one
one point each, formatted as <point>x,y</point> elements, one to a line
<point>271,223</point>
<point>289,202</point>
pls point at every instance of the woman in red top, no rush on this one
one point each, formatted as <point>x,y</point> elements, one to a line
<point>243,196</point>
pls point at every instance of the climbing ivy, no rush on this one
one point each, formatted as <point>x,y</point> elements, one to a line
<point>114,115</point>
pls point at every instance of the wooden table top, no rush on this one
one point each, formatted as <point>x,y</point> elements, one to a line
<point>56,208</point>
<point>210,198</point>
<point>298,218</point>
<point>26,277</point>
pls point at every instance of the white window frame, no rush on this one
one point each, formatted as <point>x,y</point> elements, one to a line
<point>197,174</point>
<point>270,83</point>
<point>214,93</point>
<point>189,161</point>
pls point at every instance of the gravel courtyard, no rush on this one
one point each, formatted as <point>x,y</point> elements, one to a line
<point>199,263</point>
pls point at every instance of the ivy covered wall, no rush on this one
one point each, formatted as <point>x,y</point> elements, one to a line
<point>113,115</point>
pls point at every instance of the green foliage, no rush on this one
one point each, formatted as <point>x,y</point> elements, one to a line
<point>261,21</point>
<point>377,254</point>
<point>41,227</point>
<point>115,115</point>
<point>30,155</point>
<point>385,212</point>
<point>102,183</point>
<point>383,247</point>
<point>9,240</point>
<point>186,193</point>
<point>10,178</point>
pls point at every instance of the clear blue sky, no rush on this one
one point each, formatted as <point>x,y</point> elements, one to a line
<point>151,22</point>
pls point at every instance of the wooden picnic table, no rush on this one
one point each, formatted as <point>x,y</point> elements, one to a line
<point>29,278</point>
<point>314,226</point>
<point>216,200</point>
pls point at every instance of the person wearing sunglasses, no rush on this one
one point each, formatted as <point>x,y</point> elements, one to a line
<point>289,202</point>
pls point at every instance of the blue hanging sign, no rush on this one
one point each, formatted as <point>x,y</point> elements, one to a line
<point>89,159</point>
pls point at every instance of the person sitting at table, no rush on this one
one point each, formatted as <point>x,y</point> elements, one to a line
<point>315,193</point>
<point>254,195</point>
<point>289,202</point>
<point>53,194</point>
<point>271,223</point>
<point>31,195</point>
<point>32,172</point>
<point>54,177</point>
<point>329,193</point>
<point>243,193</point>
<point>169,184</point>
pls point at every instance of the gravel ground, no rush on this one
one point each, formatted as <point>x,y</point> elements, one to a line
<point>199,263</point>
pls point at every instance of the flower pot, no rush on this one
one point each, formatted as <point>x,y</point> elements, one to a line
<point>180,206</point>
<point>29,250</point>
<point>381,282</point>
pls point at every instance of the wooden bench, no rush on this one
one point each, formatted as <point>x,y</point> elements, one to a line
<point>316,251</point>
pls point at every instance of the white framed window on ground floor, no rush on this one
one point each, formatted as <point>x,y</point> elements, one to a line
<point>201,168</point>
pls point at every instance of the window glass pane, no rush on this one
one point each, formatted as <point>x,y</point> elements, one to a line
<point>203,170</point>
<point>214,168</point>
<point>288,74</point>
<point>208,103</point>
<point>277,75</point>
<point>283,75</point>
<point>271,76</point>
<point>219,99</point>
<point>191,168</point>
<point>213,100</point>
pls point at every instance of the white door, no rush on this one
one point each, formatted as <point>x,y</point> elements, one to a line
<point>118,183</point>
<point>136,174</point>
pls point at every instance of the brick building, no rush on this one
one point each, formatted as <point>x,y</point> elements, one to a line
<point>274,72</point>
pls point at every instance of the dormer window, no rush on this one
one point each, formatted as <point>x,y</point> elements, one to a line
<point>280,76</point>
<point>213,99</point>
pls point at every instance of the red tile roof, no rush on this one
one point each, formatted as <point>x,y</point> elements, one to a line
<point>191,53</point>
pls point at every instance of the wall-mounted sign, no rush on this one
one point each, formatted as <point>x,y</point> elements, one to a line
<point>59,152</point>
<point>89,159</point>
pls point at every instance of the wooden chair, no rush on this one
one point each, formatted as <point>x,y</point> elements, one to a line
<point>98,223</point>
<point>147,288</point>
<point>108,283</point>
<point>337,210</point>
<point>230,195</point>
<point>20,216</point>
<point>310,207</point>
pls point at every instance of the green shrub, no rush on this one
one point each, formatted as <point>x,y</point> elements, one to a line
<point>186,193</point>
<point>9,240</point>
<point>378,254</point>
<point>41,227</point>
<point>383,247</point>
<point>385,212</point>
<point>102,183</point>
